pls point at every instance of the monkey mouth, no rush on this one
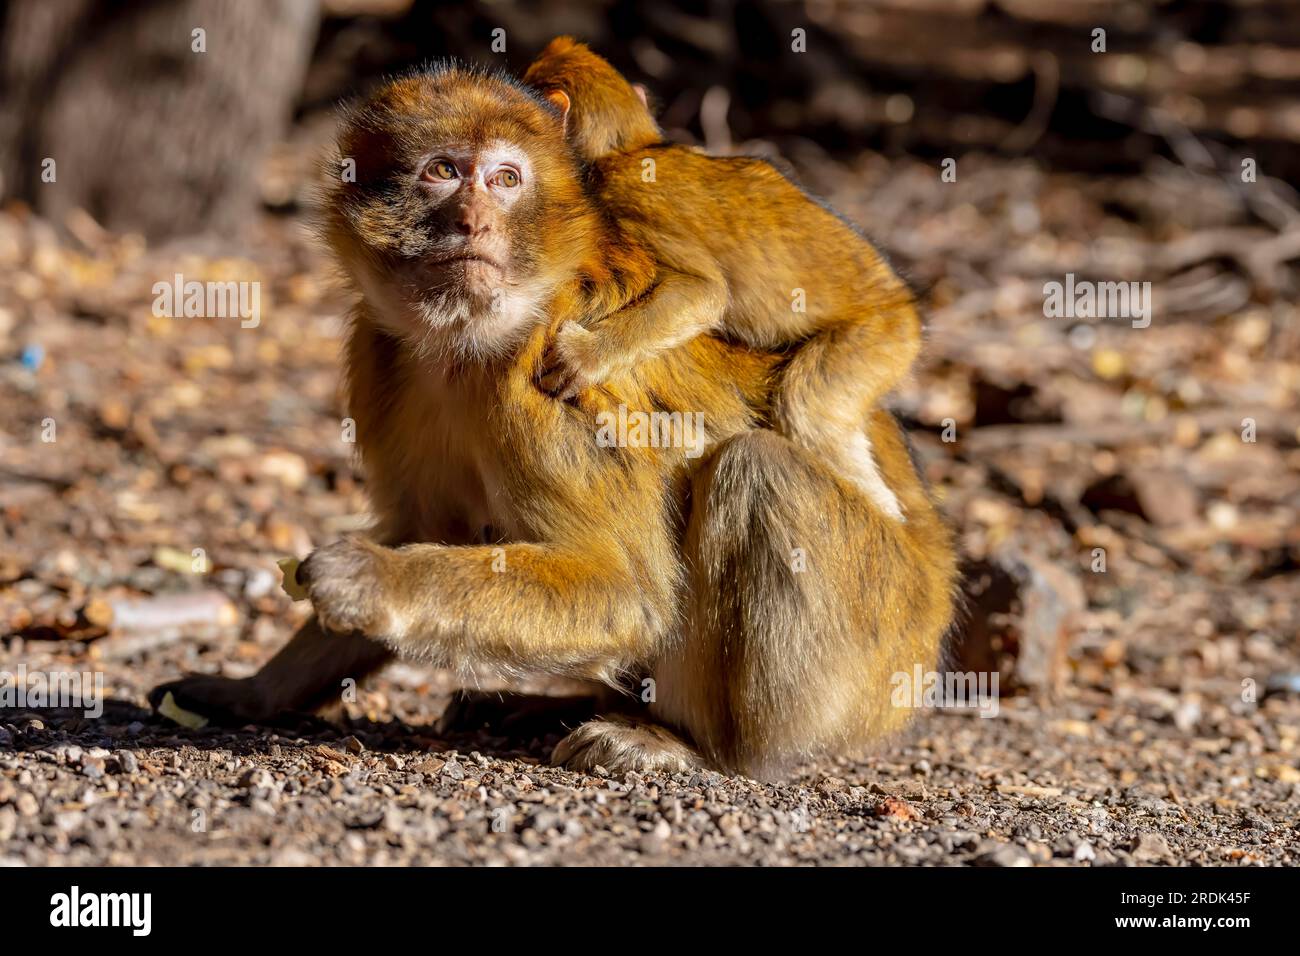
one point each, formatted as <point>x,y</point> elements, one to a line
<point>468,258</point>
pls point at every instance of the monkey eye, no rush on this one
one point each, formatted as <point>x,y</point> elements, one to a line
<point>439,169</point>
<point>506,177</point>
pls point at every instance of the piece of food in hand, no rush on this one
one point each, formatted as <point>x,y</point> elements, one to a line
<point>289,567</point>
<point>174,712</point>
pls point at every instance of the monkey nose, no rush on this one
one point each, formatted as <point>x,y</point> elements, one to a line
<point>472,223</point>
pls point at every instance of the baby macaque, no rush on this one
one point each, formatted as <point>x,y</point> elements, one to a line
<point>752,603</point>
<point>738,249</point>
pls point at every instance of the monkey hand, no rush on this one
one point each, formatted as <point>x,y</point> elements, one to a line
<point>347,582</point>
<point>571,363</point>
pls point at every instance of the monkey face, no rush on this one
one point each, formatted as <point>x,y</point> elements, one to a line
<point>464,201</point>
<point>472,192</point>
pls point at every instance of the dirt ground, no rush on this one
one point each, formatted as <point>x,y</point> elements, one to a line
<point>1125,498</point>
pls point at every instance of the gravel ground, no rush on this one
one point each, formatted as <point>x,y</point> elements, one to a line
<point>1082,782</point>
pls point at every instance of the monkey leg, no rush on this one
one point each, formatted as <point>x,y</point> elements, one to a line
<point>306,673</point>
<point>838,377</point>
<point>805,603</point>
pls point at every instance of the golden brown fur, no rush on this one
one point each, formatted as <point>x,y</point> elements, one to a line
<point>738,249</point>
<point>508,538</point>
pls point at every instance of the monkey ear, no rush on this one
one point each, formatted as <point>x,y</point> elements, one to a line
<point>560,99</point>
<point>641,94</point>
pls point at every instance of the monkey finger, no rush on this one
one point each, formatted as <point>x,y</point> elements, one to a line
<point>571,389</point>
<point>554,381</point>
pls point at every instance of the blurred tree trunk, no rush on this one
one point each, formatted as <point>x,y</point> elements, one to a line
<point>146,132</point>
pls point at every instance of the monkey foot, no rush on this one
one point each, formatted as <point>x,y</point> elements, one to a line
<point>620,745</point>
<point>222,700</point>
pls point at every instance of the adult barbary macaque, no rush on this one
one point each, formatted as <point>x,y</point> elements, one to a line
<point>739,249</point>
<point>769,602</point>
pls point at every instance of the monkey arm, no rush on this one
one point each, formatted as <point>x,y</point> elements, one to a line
<point>677,308</point>
<point>520,608</point>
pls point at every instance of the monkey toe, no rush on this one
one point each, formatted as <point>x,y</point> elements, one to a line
<point>620,745</point>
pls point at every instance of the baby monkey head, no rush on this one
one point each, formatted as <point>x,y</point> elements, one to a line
<point>604,113</point>
<point>456,209</point>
